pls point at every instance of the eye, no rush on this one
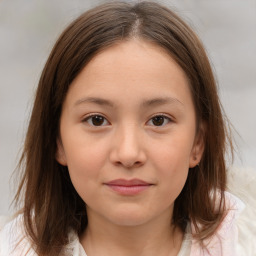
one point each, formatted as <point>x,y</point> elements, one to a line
<point>159,120</point>
<point>96,120</point>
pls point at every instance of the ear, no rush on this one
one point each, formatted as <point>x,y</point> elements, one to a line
<point>60,153</point>
<point>198,147</point>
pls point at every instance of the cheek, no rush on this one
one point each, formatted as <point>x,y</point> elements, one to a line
<point>172,175</point>
<point>174,152</point>
<point>84,169</point>
<point>172,163</point>
<point>85,161</point>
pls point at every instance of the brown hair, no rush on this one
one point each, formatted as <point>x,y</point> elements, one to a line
<point>52,206</point>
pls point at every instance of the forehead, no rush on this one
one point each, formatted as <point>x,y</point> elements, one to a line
<point>148,59</point>
<point>132,69</point>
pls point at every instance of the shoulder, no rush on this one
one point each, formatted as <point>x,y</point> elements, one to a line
<point>224,241</point>
<point>13,239</point>
<point>242,182</point>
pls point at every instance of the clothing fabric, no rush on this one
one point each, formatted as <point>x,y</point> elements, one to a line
<point>225,240</point>
<point>14,242</point>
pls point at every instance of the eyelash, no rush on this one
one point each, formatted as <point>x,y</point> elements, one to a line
<point>85,120</point>
<point>166,118</point>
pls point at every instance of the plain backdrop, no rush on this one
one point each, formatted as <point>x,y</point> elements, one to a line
<point>28,30</point>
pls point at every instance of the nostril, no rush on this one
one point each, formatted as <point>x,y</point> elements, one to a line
<point>129,165</point>
<point>136,164</point>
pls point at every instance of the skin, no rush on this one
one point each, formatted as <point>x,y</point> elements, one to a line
<point>135,81</point>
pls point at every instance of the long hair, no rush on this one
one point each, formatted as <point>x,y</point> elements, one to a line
<point>51,205</point>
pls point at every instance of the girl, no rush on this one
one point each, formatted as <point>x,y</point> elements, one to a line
<point>125,148</point>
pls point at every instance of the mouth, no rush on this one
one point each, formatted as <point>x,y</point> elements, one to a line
<point>128,187</point>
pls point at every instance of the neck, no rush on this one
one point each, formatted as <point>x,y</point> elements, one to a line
<point>158,237</point>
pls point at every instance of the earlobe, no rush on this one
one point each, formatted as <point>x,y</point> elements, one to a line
<point>198,147</point>
<point>60,154</point>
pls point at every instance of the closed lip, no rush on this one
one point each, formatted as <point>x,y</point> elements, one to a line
<point>128,187</point>
<point>128,183</point>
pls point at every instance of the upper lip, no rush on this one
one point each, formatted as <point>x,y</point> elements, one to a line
<point>128,183</point>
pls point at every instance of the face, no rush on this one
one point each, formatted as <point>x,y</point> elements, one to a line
<point>128,134</point>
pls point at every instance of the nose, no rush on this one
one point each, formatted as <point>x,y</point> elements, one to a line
<point>128,147</point>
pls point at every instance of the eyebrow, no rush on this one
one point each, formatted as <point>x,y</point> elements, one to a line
<point>161,101</point>
<point>98,101</point>
<point>146,103</point>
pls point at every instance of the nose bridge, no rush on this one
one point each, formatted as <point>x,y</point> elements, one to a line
<point>129,137</point>
<point>128,149</point>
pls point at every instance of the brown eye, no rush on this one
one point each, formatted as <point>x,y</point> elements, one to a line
<point>159,120</point>
<point>96,120</point>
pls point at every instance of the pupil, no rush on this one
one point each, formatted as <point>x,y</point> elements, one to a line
<point>158,120</point>
<point>97,120</point>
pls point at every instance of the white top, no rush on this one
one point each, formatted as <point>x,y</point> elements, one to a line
<point>13,241</point>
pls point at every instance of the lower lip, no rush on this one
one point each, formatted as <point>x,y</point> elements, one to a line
<point>128,190</point>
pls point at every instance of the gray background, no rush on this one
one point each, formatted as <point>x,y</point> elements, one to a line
<point>28,30</point>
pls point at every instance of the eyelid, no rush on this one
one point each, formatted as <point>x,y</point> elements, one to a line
<point>88,116</point>
<point>166,116</point>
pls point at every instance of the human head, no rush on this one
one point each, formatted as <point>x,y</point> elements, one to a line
<point>46,183</point>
